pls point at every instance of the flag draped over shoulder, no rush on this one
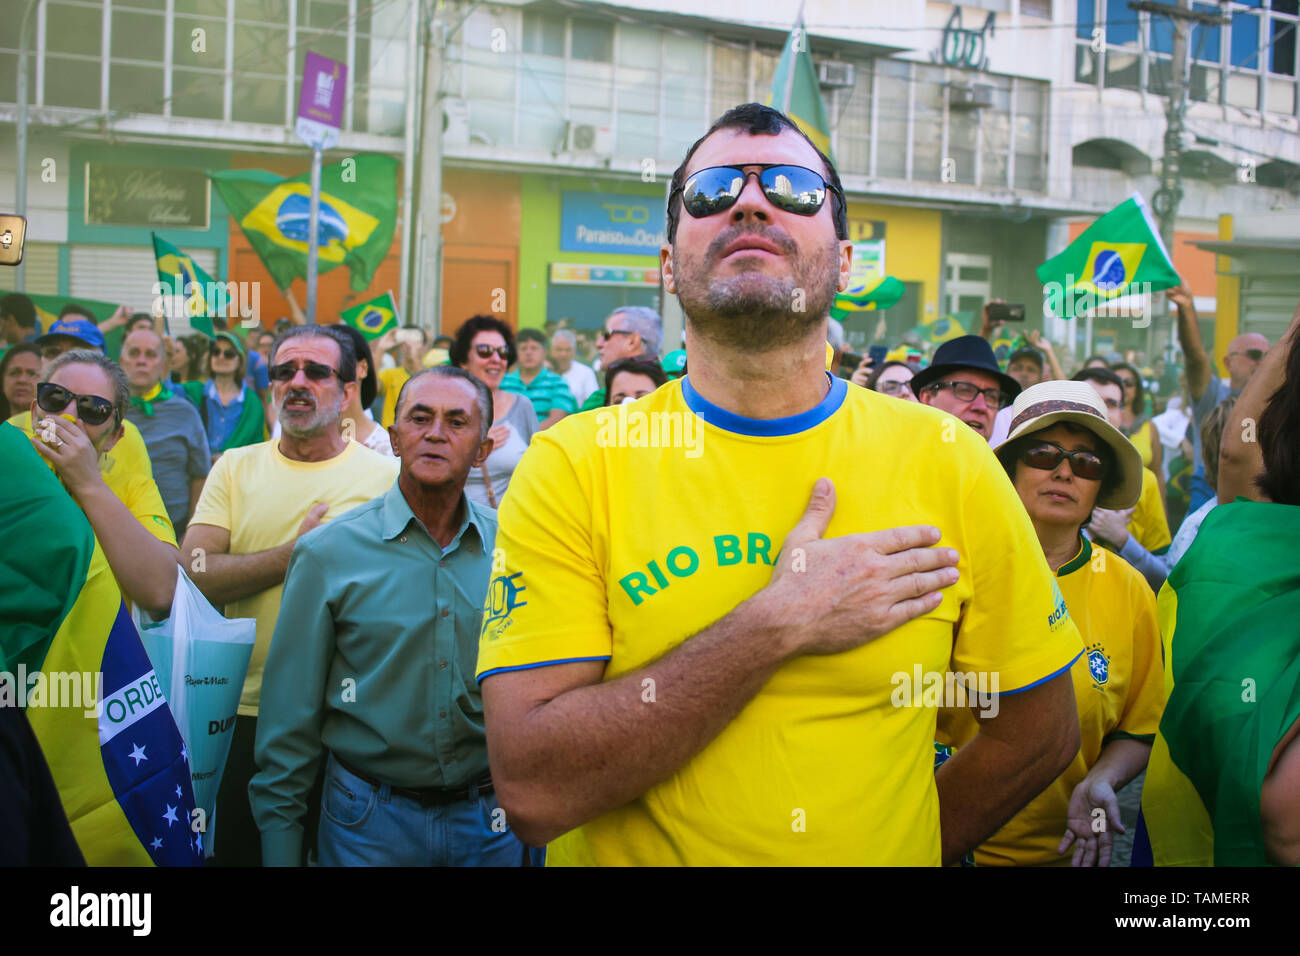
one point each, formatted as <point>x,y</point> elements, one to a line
<point>1232,680</point>
<point>121,772</point>
<point>882,292</point>
<point>1119,250</point>
<point>372,319</point>
<point>358,216</point>
<point>200,297</point>
<point>795,90</point>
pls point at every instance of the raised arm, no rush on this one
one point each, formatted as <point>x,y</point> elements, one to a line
<point>566,748</point>
<point>1240,458</point>
<point>1189,339</point>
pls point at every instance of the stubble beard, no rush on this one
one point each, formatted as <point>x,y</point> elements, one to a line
<point>752,310</point>
<point>322,418</point>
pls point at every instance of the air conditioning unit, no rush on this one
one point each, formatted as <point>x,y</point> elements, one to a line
<point>832,75</point>
<point>970,96</point>
<point>455,122</point>
<point>588,138</point>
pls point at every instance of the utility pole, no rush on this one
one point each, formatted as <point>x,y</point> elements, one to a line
<point>1170,194</point>
<point>426,265</point>
<point>20,172</point>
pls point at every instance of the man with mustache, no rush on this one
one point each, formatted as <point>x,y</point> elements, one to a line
<point>674,685</point>
<point>257,502</point>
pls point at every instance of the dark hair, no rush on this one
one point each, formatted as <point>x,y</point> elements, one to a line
<point>361,351</point>
<point>73,309</point>
<point>1027,352</point>
<point>241,357</point>
<point>136,319</point>
<point>874,377</point>
<point>22,348</point>
<point>196,349</point>
<point>459,351</point>
<point>482,394</point>
<point>1009,455</point>
<point>1136,406</point>
<point>531,335</point>
<point>20,308</point>
<point>1102,376</point>
<point>1212,434</point>
<point>637,366</point>
<point>1279,437</point>
<point>1096,358</point>
<point>347,357</point>
<point>759,120</point>
<point>442,342</point>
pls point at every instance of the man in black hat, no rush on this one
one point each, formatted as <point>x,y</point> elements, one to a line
<point>964,380</point>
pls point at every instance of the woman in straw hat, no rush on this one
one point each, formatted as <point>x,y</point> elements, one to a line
<point>1065,459</point>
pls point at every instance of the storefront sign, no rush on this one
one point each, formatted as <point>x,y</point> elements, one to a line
<point>608,222</point>
<point>143,196</point>
<point>568,274</point>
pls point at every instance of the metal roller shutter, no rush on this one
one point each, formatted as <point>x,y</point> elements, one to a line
<point>1267,304</point>
<point>123,274</point>
<point>41,260</point>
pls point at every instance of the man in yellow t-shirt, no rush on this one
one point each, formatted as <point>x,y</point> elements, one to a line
<point>684,660</point>
<point>256,503</point>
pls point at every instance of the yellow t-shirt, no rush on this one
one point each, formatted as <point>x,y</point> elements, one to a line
<point>129,475</point>
<point>616,550</point>
<point>393,379</point>
<point>261,497</point>
<point>1142,441</point>
<point>1118,689</point>
<point>1148,523</point>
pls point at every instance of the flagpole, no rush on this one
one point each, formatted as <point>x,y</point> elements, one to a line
<point>789,67</point>
<point>313,231</point>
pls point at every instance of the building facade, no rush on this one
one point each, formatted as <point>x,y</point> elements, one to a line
<point>974,140</point>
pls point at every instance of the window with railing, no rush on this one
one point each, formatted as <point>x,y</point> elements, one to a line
<point>1249,62</point>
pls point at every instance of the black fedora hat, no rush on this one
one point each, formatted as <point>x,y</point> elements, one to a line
<point>968,351</point>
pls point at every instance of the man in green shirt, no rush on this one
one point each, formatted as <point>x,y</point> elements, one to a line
<point>550,394</point>
<point>372,662</point>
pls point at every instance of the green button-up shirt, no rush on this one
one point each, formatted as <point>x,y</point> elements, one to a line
<point>373,657</point>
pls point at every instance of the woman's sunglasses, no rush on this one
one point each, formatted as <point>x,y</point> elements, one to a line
<point>91,409</point>
<point>315,371</point>
<point>791,188</point>
<point>487,351</point>
<point>1047,456</point>
<point>218,352</point>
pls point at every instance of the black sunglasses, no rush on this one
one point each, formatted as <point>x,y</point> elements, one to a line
<point>91,409</point>
<point>315,371</point>
<point>216,351</point>
<point>1048,455</point>
<point>793,189</point>
<point>486,351</point>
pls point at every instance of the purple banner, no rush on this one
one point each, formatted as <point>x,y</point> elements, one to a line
<point>323,82</point>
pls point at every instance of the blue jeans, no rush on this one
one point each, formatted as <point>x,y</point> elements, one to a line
<point>365,825</point>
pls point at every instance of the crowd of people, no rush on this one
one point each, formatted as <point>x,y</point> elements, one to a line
<point>487,635</point>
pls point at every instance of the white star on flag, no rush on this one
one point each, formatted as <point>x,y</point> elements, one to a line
<point>185,754</point>
<point>178,791</point>
<point>198,843</point>
<point>137,754</point>
<point>156,844</point>
<point>170,815</point>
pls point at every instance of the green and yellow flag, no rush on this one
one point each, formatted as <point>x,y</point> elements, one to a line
<point>795,90</point>
<point>372,319</point>
<point>1119,254</point>
<point>358,216</point>
<point>1232,685</point>
<point>70,654</point>
<point>48,308</point>
<point>190,293</point>
<point>882,292</point>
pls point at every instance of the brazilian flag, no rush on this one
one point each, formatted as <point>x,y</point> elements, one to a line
<point>1120,249</point>
<point>1232,680</point>
<point>120,765</point>
<point>882,292</point>
<point>796,92</point>
<point>941,328</point>
<point>358,215</point>
<point>203,298</point>
<point>372,319</point>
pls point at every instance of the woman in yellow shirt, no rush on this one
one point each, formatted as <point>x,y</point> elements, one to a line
<point>1064,458</point>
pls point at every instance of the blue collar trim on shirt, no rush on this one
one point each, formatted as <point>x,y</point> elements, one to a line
<point>766,427</point>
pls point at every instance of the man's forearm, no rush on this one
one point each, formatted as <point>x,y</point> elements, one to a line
<point>231,577</point>
<point>990,780</point>
<point>595,748</point>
